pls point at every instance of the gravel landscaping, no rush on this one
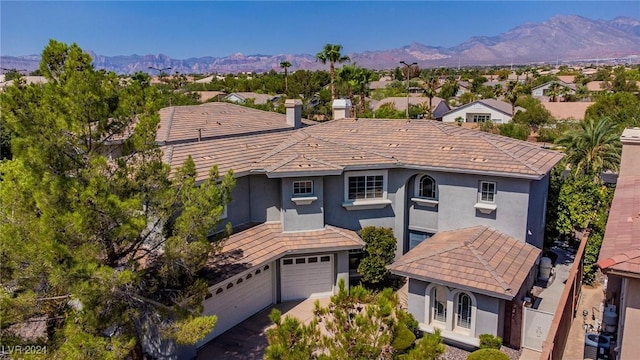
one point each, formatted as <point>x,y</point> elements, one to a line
<point>453,353</point>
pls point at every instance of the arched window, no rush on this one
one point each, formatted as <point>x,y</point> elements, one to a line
<point>464,311</point>
<point>439,304</point>
<point>427,187</point>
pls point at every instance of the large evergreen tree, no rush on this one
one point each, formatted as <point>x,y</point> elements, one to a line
<point>357,324</point>
<point>106,248</point>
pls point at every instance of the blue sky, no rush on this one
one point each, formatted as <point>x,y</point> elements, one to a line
<point>220,28</point>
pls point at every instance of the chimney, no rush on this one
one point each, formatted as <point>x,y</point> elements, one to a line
<point>294,112</point>
<point>341,109</point>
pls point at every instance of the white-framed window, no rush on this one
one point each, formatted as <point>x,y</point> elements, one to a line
<point>487,192</point>
<point>366,185</point>
<point>427,188</point>
<point>439,304</point>
<point>303,188</point>
<point>464,307</point>
<point>480,118</point>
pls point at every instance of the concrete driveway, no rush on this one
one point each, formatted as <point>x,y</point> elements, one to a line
<point>247,340</point>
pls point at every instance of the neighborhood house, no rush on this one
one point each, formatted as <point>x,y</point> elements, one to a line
<point>486,110</point>
<point>467,209</point>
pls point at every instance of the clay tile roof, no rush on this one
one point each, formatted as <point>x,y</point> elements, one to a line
<point>266,242</point>
<point>215,120</point>
<point>208,95</point>
<point>596,85</point>
<point>266,144</point>
<point>567,110</point>
<point>433,144</point>
<point>568,79</point>
<point>621,244</point>
<point>479,258</point>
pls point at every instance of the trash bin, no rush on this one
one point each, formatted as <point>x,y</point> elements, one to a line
<point>545,269</point>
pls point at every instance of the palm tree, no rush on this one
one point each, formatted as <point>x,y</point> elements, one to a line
<point>331,54</point>
<point>362,79</point>
<point>431,84</point>
<point>554,91</point>
<point>527,71</point>
<point>285,64</point>
<point>593,148</point>
<point>512,93</point>
<point>453,83</point>
<point>346,74</point>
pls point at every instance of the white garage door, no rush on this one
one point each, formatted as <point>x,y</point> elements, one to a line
<point>306,276</point>
<point>236,300</point>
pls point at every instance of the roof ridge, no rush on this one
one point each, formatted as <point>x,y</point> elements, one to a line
<point>429,254</point>
<point>441,126</point>
<point>619,258</point>
<point>168,154</point>
<point>354,147</point>
<point>488,103</point>
<point>488,140</point>
<point>313,158</point>
<point>341,232</point>
<point>169,124</point>
<point>283,162</point>
<point>284,145</point>
<point>485,263</point>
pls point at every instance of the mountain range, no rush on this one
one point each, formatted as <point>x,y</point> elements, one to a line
<point>559,39</point>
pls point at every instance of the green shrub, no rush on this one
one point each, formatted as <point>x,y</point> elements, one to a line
<point>403,340</point>
<point>488,354</point>
<point>488,341</point>
<point>379,251</point>
<point>409,321</point>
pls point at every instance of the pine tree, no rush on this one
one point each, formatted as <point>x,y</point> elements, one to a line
<point>97,237</point>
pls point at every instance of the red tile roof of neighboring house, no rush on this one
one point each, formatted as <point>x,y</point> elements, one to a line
<point>567,79</point>
<point>596,85</point>
<point>567,110</point>
<point>479,258</point>
<point>207,95</point>
<point>620,249</point>
<point>266,242</point>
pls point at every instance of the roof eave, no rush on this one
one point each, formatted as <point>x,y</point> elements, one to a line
<point>538,176</point>
<point>282,254</point>
<point>503,296</point>
<point>621,273</point>
<point>290,174</point>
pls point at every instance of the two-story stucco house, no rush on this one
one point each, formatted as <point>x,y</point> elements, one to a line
<point>619,256</point>
<point>303,191</point>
